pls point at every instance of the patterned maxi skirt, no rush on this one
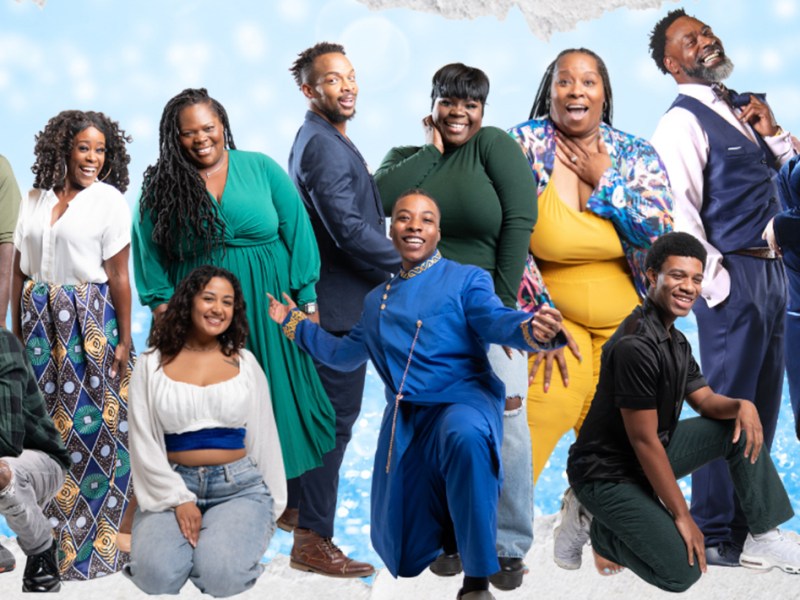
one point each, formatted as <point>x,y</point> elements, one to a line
<point>70,334</point>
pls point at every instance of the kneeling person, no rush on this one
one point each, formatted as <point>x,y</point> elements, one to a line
<point>624,466</point>
<point>33,462</point>
<point>437,471</point>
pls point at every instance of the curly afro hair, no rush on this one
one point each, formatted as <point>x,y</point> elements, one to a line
<point>171,329</point>
<point>174,193</point>
<point>658,37</point>
<point>674,243</point>
<point>54,146</point>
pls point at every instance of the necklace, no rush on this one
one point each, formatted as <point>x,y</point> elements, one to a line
<point>221,164</point>
<point>201,348</point>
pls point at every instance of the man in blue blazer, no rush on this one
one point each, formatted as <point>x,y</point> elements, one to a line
<point>346,213</point>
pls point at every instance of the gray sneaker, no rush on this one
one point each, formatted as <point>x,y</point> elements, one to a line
<point>778,552</point>
<point>571,533</point>
<point>7,560</point>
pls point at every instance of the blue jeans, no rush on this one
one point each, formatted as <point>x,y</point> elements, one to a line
<point>237,525</point>
<point>515,509</point>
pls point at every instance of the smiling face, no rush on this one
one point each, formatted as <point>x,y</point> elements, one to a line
<point>577,95</point>
<point>86,159</point>
<point>676,286</point>
<point>201,135</point>
<point>457,119</point>
<point>415,229</point>
<point>212,310</point>
<point>332,89</point>
<point>693,54</point>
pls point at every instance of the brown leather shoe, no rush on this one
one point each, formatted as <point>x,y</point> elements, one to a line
<point>314,553</point>
<point>288,520</point>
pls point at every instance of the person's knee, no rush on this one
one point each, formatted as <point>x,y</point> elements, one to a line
<point>5,475</point>
<point>153,575</point>
<point>221,574</point>
<point>680,582</point>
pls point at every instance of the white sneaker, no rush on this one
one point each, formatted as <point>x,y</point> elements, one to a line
<point>778,552</point>
<point>571,533</point>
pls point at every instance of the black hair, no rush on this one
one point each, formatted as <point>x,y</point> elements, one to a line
<point>675,243</point>
<point>173,192</point>
<point>302,66</point>
<point>171,329</point>
<point>416,192</point>
<point>658,37</point>
<point>457,80</point>
<point>54,146</point>
<point>541,102</point>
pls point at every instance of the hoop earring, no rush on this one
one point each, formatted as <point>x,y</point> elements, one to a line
<point>104,177</point>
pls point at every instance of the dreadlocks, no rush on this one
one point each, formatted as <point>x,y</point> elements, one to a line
<point>173,192</point>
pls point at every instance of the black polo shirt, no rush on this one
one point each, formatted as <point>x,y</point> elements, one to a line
<point>643,366</point>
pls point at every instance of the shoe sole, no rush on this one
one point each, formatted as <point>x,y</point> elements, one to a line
<point>507,581</point>
<point>569,566</point>
<point>56,588</point>
<point>446,568</point>
<point>309,569</point>
<point>766,565</point>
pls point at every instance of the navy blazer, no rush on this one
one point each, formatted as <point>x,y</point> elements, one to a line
<point>347,215</point>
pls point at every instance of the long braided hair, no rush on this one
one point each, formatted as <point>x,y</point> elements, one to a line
<point>174,193</point>
<point>54,146</point>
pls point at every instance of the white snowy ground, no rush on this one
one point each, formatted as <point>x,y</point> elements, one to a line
<point>544,582</point>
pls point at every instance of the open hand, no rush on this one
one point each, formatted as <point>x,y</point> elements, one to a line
<point>694,540</point>
<point>748,421</point>
<point>278,311</point>
<point>587,162</point>
<point>556,356</point>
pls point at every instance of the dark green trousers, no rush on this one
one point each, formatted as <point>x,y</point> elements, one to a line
<point>632,528</point>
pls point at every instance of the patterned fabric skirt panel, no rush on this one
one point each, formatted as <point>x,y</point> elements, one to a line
<point>70,334</point>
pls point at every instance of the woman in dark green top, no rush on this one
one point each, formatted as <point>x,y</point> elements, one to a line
<point>478,176</point>
<point>487,195</point>
<point>206,202</point>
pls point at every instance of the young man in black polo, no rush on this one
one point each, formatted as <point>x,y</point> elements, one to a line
<point>623,468</point>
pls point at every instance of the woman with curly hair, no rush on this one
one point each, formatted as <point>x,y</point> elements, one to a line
<point>71,308</point>
<point>203,202</point>
<point>205,451</point>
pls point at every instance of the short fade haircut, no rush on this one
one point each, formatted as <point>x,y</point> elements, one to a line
<point>301,67</point>
<point>675,243</point>
<point>417,192</point>
<point>658,37</point>
<point>457,80</point>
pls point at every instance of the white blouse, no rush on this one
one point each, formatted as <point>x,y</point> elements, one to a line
<point>159,405</point>
<point>95,227</point>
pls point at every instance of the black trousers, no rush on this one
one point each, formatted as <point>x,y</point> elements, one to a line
<point>315,492</point>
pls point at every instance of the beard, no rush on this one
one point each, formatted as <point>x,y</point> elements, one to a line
<point>714,74</point>
<point>335,116</point>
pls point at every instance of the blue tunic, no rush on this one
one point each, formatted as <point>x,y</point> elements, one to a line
<point>451,314</point>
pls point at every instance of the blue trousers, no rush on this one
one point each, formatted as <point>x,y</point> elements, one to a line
<point>315,492</point>
<point>742,355</point>
<point>451,488</point>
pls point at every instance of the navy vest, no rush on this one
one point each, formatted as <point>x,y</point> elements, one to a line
<point>740,194</point>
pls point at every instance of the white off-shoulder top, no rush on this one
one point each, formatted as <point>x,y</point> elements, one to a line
<point>159,405</point>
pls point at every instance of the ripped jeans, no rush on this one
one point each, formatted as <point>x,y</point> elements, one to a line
<point>515,509</point>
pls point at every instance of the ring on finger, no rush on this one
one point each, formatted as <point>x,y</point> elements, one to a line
<point>573,159</point>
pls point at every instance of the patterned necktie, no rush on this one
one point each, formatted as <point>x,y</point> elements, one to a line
<point>731,98</point>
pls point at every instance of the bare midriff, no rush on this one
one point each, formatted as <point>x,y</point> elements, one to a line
<point>206,457</point>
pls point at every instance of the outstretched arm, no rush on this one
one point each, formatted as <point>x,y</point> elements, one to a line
<point>340,353</point>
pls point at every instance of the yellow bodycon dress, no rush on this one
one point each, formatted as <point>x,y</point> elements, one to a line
<point>584,268</point>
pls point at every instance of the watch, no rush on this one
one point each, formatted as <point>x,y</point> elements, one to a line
<point>309,308</point>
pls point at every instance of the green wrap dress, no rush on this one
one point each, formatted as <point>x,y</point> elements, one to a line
<point>269,245</point>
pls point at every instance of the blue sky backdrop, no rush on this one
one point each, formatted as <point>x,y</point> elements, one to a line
<point>128,58</point>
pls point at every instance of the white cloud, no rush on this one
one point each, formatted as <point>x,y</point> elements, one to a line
<point>250,41</point>
<point>294,11</point>
<point>785,9</point>
<point>771,60</point>
<point>190,62</point>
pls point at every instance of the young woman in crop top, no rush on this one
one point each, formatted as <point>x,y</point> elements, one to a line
<point>205,456</point>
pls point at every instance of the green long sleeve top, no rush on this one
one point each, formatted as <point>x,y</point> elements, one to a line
<point>487,196</point>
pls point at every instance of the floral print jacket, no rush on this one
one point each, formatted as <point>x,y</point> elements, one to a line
<point>634,194</point>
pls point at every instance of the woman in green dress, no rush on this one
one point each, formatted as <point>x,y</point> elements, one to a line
<point>202,202</point>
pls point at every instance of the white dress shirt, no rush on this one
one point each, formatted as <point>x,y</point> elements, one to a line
<point>682,144</point>
<point>71,251</point>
